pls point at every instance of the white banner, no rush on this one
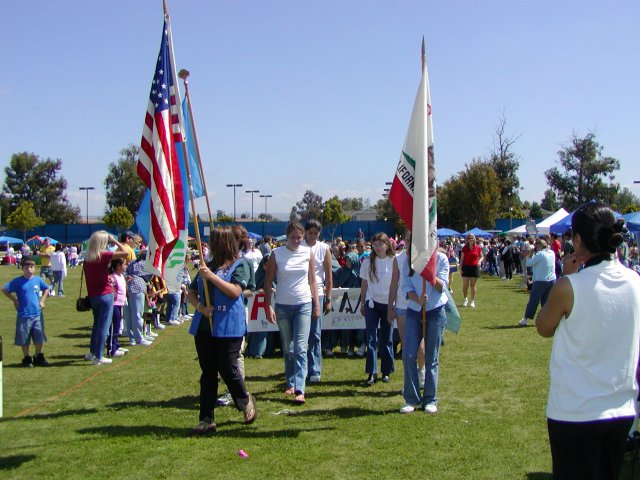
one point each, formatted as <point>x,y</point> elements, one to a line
<point>345,315</point>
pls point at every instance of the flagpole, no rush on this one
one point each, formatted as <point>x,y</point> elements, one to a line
<point>184,75</point>
<point>192,200</point>
<point>424,282</point>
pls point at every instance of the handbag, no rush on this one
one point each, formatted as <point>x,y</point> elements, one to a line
<point>83,304</point>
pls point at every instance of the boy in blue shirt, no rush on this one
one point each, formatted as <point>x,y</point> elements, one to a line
<point>30,293</point>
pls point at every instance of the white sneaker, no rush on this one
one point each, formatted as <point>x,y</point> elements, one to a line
<point>124,350</point>
<point>472,304</point>
<point>174,322</point>
<point>524,322</point>
<point>465,303</point>
<point>408,408</point>
<point>144,342</point>
<point>431,408</point>
<point>151,334</point>
<point>160,326</point>
<point>360,351</point>
<point>225,399</point>
<point>52,293</point>
<point>314,379</point>
<point>102,361</point>
<point>118,353</point>
<point>89,356</point>
<point>421,375</point>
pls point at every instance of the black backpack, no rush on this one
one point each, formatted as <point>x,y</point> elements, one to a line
<point>508,255</point>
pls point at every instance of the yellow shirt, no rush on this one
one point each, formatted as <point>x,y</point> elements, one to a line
<point>131,254</point>
<point>46,261</point>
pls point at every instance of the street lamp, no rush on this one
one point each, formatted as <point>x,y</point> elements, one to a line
<point>252,192</point>
<point>265,205</point>
<point>234,185</point>
<point>86,189</point>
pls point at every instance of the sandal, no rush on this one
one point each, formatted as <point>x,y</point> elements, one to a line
<point>204,426</point>
<point>251,411</point>
<point>290,391</point>
<point>299,399</point>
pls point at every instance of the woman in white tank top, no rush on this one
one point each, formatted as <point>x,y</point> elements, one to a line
<point>594,316</point>
<point>296,302</point>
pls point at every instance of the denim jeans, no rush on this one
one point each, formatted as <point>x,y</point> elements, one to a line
<point>173,305</point>
<point>539,294</point>
<point>116,322</point>
<point>102,307</point>
<point>373,317</point>
<point>58,279</point>
<point>314,355</point>
<point>294,322</point>
<point>133,320</point>
<point>436,320</point>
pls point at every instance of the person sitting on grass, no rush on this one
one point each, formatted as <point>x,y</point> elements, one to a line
<point>30,294</point>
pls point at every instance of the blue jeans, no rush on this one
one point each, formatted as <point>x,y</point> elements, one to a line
<point>539,294</point>
<point>133,318</point>
<point>58,279</point>
<point>173,305</point>
<point>373,317</point>
<point>294,322</point>
<point>102,307</point>
<point>436,320</point>
<point>314,355</point>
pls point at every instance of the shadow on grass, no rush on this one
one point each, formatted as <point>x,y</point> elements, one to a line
<point>188,402</point>
<point>73,335</point>
<point>47,416</point>
<point>14,461</point>
<point>86,328</point>
<point>343,412</point>
<point>507,327</point>
<point>539,476</point>
<point>163,431</point>
<point>264,378</point>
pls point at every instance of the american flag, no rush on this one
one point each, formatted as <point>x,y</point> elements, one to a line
<point>158,166</point>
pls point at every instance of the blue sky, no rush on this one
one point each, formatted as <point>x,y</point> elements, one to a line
<point>291,95</point>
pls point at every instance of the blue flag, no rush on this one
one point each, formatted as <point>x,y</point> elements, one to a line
<point>196,180</point>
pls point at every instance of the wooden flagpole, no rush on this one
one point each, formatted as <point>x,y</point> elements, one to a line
<point>187,171</point>
<point>424,282</point>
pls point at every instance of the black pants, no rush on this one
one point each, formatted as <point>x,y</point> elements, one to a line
<point>219,355</point>
<point>508,269</point>
<point>588,450</point>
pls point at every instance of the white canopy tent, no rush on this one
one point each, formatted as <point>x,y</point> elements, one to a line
<point>543,226</point>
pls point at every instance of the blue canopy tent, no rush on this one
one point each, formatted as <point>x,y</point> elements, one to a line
<point>447,232</point>
<point>565,224</point>
<point>478,232</point>
<point>255,236</point>
<point>633,221</point>
<point>4,239</point>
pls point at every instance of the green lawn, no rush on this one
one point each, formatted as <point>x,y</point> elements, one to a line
<point>132,419</point>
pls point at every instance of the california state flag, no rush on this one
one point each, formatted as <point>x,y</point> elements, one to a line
<point>413,191</point>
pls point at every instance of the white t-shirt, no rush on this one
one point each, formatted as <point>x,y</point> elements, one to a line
<point>403,267</point>
<point>378,290</point>
<point>254,256</point>
<point>292,274</point>
<point>319,251</point>
<point>595,349</point>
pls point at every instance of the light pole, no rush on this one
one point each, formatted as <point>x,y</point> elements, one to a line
<point>265,205</point>
<point>234,185</point>
<point>86,189</point>
<point>252,192</point>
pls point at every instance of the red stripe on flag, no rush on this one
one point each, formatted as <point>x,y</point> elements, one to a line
<point>402,201</point>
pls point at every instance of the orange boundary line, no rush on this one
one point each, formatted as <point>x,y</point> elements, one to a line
<point>96,374</point>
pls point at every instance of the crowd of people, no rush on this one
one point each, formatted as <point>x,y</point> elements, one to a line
<point>298,275</point>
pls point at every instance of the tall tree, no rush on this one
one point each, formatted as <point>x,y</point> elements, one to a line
<point>355,203</point>
<point>506,164</point>
<point>123,187</point>
<point>119,218</point>
<point>536,210</point>
<point>625,201</point>
<point>386,212</point>
<point>29,178</point>
<point>470,198</point>
<point>583,174</point>
<point>309,207</point>
<point>24,218</point>
<point>550,200</point>
<point>333,214</point>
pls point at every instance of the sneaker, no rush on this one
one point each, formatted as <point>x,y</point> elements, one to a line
<point>465,303</point>
<point>160,326</point>
<point>431,408</point>
<point>524,322</point>
<point>27,362</point>
<point>118,353</point>
<point>328,352</point>
<point>472,304</point>
<point>102,361</point>
<point>144,342</point>
<point>52,293</point>
<point>225,400</point>
<point>314,379</point>
<point>360,351</point>
<point>151,334</point>
<point>350,352</point>
<point>408,408</point>
<point>89,356</point>
<point>40,361</point>
<point>386,379</point>
<point>421,376</point>
<point>123,350</point>
<point>174,322</point>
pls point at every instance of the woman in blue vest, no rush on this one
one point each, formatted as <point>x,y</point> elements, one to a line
<point>219,327</point>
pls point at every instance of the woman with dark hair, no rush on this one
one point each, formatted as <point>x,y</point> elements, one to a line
<point>219,327</point>
<point>593,313</point>
<point>376,272</point>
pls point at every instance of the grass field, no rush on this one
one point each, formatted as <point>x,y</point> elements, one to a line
<point>132,419</point>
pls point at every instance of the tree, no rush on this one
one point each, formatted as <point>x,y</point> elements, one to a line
<point>386,212</point>
<point>549,201</point>
<point>309,207</point>
<point>267,217</point>
<point>28,178</point>
<point>221,216</point>
<point>355,204</point>
<point>333,214</point>
<point>581,177</point>
<point>505,163</point>
<point>624,201</point>
<point>24,218</point>
<point>536,210</point>
<point>470,198</point>
<point>119,218</point>
<point>123,187</point>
